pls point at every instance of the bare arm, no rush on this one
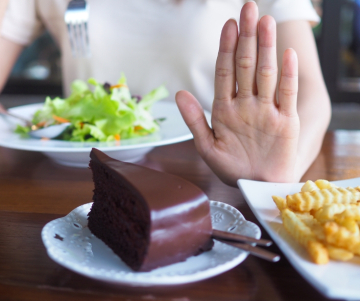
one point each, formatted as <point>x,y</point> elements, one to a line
<point>313,104</point>
<point>9,51</point>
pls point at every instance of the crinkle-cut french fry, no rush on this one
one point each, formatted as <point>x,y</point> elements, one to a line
<point>315,226</point>
<point>341,237</point>
<point>296,227</point>
<point>349,224</point>
<point>305,236</point>
<point>325,219</point>
<point>318,252</point>
<point>351,211</point>
<point>309,186</point>
<point>327,212</point>
<point>280,202</point>
<point>339,253</point>
<point>306,201</point>
<point>324,184</point>
<point>304,216</point>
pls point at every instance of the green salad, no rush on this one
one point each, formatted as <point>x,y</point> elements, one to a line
<point>104,113</point>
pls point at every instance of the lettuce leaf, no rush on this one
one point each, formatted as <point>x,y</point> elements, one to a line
<point>100,113</point>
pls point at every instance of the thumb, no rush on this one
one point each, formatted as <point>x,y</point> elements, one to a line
<point>194,117</point>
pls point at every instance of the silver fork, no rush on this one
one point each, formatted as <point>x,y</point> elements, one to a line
<point>76,19</point>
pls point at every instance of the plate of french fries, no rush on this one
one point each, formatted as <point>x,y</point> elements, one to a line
<point>316,225</point>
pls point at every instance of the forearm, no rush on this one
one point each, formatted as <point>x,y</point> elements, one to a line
<point>9,52</point>
<point>314,111</point>
<point>313,103</point>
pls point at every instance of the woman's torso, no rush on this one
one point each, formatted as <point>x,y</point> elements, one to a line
<point>153,42</point>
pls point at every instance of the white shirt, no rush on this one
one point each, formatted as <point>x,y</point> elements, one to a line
<point>152,42</point>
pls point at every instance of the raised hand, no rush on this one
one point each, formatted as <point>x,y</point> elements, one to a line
<point>254,134</point>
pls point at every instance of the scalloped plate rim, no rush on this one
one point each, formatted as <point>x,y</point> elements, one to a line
<point>164,279</point>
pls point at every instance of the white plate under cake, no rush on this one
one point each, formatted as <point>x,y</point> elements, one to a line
<point>70,243</point>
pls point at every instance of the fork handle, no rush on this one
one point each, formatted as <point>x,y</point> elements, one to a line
<point>217,234</point>
<point>264,254</point>
<point>6,112</point>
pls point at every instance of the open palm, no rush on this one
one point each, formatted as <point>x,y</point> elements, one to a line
<point>254,134</point>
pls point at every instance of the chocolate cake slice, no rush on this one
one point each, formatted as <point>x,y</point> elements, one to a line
<point>148,218</point>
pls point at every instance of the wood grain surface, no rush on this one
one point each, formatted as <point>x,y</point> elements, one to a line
<point>34,191</point>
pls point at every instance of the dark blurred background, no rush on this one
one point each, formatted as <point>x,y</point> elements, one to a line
<point>38,70</point>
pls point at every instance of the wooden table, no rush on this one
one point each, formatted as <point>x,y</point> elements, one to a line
<point>34,191</point>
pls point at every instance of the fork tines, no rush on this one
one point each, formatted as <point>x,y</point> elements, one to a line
<point>76,19</point>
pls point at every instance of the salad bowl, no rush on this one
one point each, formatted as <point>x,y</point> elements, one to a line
<point>172,130</point>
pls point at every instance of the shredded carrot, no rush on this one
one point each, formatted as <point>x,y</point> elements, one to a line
<point>41,124</point>
<point>45,139</point>
<point>118,86</point>
<point>117,137</point>
<point>60,119</point>
<point>138,128</point>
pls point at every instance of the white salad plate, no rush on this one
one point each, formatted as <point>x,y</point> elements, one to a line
<point>172,130</point>
<point>336,280</point>
<point>70,243</point>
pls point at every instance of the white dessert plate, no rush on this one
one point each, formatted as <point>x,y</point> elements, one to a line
<point>336,280</point>
<point>70,243</point>
<point>172,130</point>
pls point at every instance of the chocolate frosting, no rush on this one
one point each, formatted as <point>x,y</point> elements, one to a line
<point>178,212</point>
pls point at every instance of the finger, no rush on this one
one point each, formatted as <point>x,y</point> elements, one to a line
<point>266,73</point>
<point>194,117</point>
<point>288,86</point>
<point>225,86</point>
<point>246,53</point>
